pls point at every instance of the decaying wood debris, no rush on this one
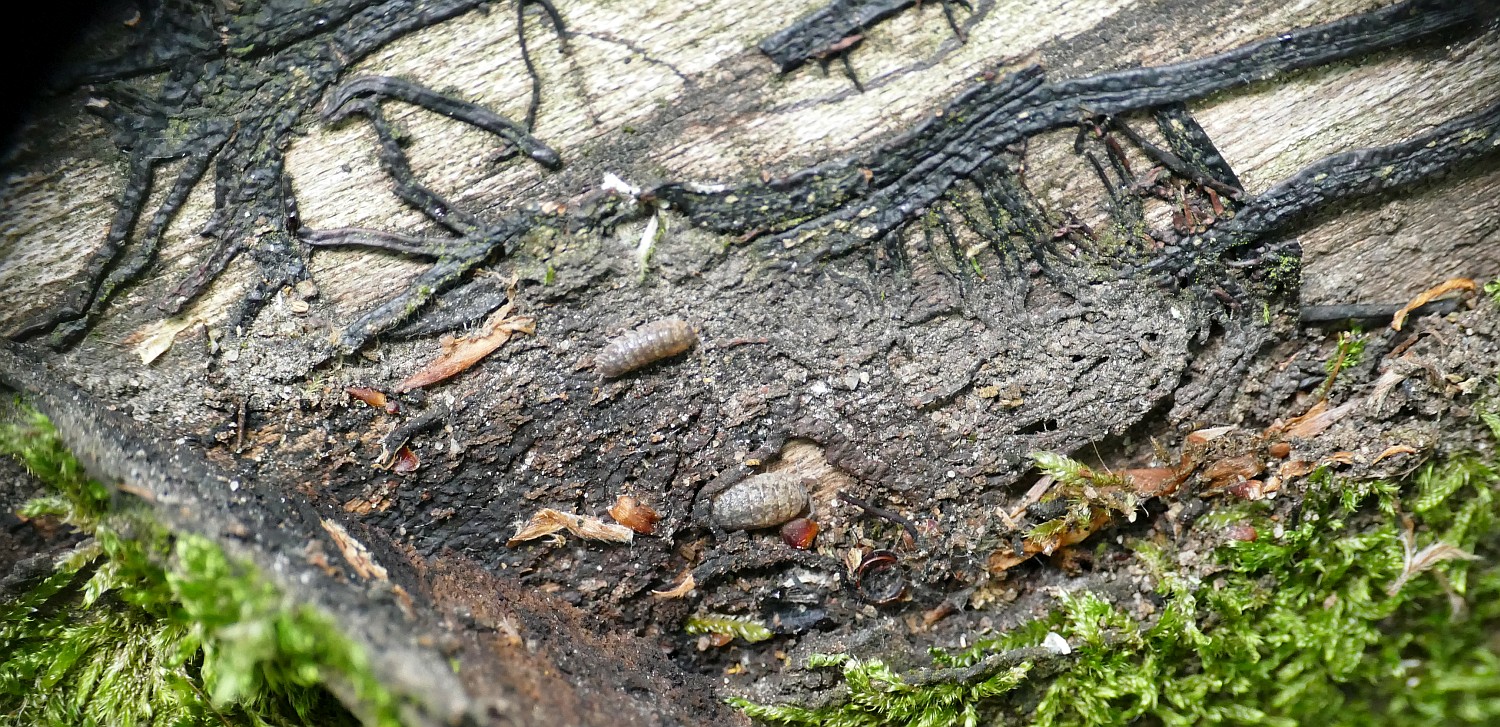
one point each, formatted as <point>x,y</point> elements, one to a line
<point>1055,253</point>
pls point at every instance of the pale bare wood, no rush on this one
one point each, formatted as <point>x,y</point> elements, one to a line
<point>738,116</point>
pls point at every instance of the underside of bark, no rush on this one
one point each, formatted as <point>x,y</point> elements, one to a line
<point>1045,248</point>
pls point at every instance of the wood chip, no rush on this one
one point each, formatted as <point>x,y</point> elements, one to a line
<point>679,590</point>
<point>155,339</point>
<point>354,552</point>
<point>1318,419</point>
<point>1427,296</point>
<point>464,352</point>
<point>547,521</point>
<point>1032,496</point>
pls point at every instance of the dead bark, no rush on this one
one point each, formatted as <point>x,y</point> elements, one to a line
<point>1018,229</point>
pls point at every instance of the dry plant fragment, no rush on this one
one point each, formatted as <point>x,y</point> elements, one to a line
<point>466,351</point>
<point>1427,296</point>
<point>547,521</point>
<point>155,339</point>
<point>1417,562</point>
<point>1394,450</point>
<point>1156,481</point>
<point>1232,470</point>
<point>681,589</point>
<point>1318,419</point>
<point>354,552</point>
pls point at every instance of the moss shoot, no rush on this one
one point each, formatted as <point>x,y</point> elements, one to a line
<point>1379,605</point>
<point>136,625</point>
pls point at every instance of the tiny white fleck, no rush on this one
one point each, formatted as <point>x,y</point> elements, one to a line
<point>1056,644</point>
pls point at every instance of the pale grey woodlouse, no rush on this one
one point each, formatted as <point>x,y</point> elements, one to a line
<point>645,344</point>
<point>760,501</point>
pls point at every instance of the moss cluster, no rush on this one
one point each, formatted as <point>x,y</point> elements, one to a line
<point>1371,609</point>
<point>750,630</point>
<point>136,625</point>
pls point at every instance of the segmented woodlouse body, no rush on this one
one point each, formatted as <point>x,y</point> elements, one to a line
<point>648,343</point>
<point>760,501</point>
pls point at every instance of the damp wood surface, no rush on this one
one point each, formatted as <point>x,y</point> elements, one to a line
<point>693,99</point>
<point>915,374</point>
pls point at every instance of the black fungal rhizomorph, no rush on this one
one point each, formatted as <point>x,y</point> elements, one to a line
<point>225,86</point>
<point>228,91</point>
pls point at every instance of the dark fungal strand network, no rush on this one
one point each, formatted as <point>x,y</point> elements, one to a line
<point>848,203</point>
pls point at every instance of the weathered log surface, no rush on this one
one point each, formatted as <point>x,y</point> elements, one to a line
<point>1018,305</point>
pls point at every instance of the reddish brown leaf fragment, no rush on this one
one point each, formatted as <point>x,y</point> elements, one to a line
<point>405,461</point>
<point>632,514</point>
<point>799,533</point>
<point>1154,481</point>
<point>1231,470</point>
<point>373,397</point>
<point>464,352</point>
<point>1318,419</point>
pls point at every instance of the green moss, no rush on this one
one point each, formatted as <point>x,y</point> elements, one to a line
<point>1367,611</point>
<point>748,629</point>
<point>1350,352</point>
<point>1089,494</point>
<point>140,626</point>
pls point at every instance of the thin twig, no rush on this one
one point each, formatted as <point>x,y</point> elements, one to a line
<point>881,513</point>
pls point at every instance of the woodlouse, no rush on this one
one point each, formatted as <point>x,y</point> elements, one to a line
<point>760,501</point>
<point>645,344</point>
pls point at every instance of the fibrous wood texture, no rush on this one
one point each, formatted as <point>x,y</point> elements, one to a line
<point>918,243</point>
